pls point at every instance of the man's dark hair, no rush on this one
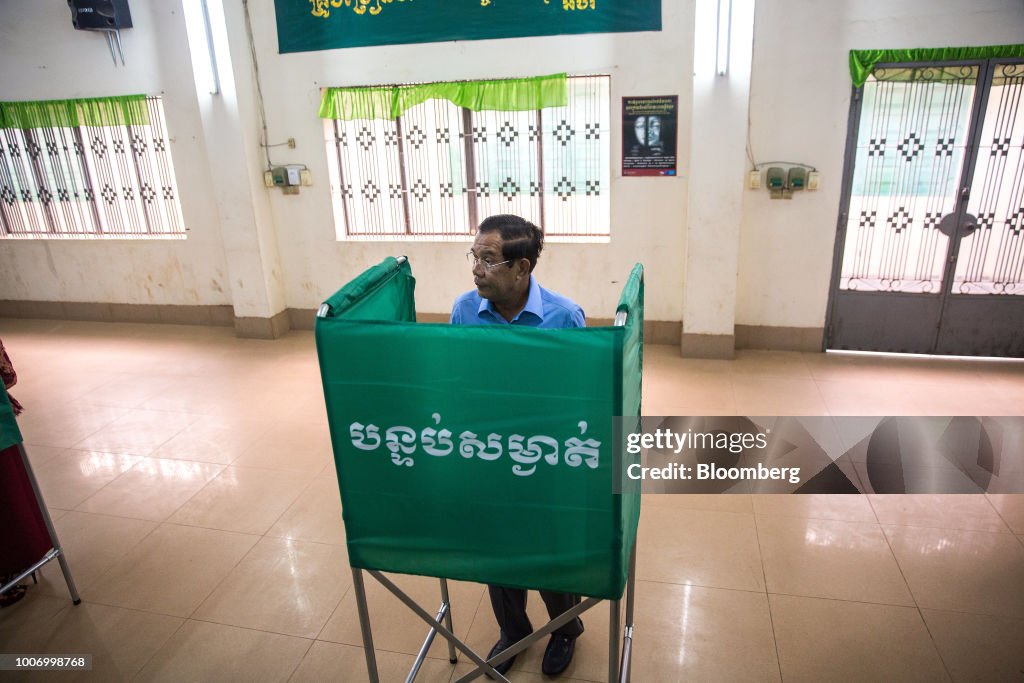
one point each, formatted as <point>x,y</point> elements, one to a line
<point>519,237</point>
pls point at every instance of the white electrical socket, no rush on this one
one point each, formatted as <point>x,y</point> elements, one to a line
<point>754,180</point>
<point>813,180</point>
<point>268,179</point>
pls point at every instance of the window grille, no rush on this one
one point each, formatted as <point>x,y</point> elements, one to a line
<point>89,180</point>
<point>439,169</point>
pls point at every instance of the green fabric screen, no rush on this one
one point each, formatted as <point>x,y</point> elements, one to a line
<point>390,102</point>
<point>9,432</point>
<point>480,453</point>
<point>863,61</point>
<point>124,110</point>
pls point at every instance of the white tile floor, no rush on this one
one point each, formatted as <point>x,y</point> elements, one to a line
<point>207,541</point>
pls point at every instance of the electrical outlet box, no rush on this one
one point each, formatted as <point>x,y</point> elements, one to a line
<point>288,177</point>
<point>797,178</point>
<point>754,180</point>
<point>279,175</point>
<point>776,178</point>
<point>813,180</point>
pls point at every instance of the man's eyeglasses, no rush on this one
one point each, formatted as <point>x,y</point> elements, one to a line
<point>474,261</point>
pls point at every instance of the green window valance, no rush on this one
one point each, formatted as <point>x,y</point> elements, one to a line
<point>122,110</point>
<point>863,61</point>
<point>390,102</point>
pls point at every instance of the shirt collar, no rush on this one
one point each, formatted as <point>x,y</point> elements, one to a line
<point>534,305</point>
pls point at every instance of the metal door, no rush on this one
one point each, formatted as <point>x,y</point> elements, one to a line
<point>930,247</point>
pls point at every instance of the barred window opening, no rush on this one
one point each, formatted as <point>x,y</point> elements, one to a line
<point>439,169</point>
<point>90,181</point>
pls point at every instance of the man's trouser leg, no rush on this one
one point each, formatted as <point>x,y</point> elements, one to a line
<point>509,605</point>
<point>557,603</point>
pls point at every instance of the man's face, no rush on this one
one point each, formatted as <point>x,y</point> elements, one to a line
<point>640,128</point>
<point>496,284</point>
<point>653,130</point>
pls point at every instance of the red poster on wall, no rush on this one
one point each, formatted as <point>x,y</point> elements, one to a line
<point>649,127</point>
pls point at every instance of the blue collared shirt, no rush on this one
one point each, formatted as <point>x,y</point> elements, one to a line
<point>544,308</point>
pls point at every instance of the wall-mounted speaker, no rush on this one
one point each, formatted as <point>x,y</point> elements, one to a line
<point>100,15</point>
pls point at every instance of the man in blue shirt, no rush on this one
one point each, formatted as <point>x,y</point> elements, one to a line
<point>503,257</point>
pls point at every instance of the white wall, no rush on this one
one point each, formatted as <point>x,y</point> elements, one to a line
<point>233,134</point>
<point>43,57</point>
<point>799,105</point>
<point>648,214</point>
<point>718,153</point>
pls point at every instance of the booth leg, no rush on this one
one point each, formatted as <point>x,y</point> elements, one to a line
<point>442,612</point>
<point>364,625</point>
<point>72,589</point>
<point>627,641</point>
<point>448,620</point>
<point>613,640</point>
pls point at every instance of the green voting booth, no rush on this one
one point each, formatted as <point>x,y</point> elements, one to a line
<point>482,453</point>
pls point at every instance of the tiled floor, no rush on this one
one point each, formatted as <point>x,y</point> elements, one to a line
<point>207,542</point>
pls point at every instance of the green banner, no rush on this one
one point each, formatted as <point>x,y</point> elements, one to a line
<point>306,25</point>
<point>480,453</point>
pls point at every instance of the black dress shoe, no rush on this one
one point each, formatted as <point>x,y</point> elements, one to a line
<point>498,648</point>
<point>558,654</point>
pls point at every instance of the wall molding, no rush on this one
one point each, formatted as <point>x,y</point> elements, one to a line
<point>655,331</point>
<point>715,346</point>
<point>263,328</point>
<point>779,338</point>
<point>222,315</point>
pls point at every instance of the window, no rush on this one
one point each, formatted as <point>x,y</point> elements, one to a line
<point>438,169</point>
<point>91,168</point>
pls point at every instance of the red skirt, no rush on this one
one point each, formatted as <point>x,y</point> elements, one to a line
<point>23,536</point>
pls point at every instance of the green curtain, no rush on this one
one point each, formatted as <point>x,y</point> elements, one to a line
<point>628,514</point>
<point>480,452</point>
<point>390,102</point>
<point>94,111</point>
<point>863,61</point>
<point>383,292</point>
<point>9,432</point>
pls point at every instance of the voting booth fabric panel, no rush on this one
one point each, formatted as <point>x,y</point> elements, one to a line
<point>480,453</point>
<point>631,373</point>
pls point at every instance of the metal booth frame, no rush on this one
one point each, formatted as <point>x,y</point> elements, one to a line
<point>56,552</point>
<point>619,662</point>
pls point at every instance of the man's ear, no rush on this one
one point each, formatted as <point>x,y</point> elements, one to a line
<point>523,267</point>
